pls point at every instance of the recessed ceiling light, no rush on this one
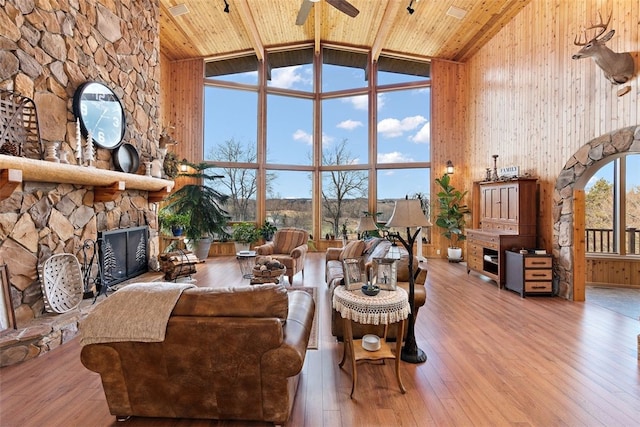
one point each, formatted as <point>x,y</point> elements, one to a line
<point>456,12</point>
<point>179,9</point>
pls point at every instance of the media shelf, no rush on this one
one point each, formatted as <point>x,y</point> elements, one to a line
<point>490,260</point>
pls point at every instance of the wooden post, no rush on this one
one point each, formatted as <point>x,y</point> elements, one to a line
<point>579,255</point>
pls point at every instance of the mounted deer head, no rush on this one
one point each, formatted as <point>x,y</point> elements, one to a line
<point>618,68</point>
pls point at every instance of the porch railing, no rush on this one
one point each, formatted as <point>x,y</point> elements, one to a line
<point>601,240</point>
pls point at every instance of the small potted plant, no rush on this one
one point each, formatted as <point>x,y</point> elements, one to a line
<point>451,215</point>
<point>244,234</point>
<point>173,223</point>
<point>267,230</point>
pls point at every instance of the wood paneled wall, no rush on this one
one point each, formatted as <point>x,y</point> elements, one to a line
<point>182,105</point>
<point>533,105</point>
<point>449,140</point>
<point>529,102</point>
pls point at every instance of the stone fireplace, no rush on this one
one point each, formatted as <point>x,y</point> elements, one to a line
<point>40,219</point>
<point>46,207</point>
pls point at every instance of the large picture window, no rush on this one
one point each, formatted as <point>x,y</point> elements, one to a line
<point>319,144</point>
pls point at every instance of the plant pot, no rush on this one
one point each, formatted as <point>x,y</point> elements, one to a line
<point>454,254</point>
<point>200,247</point>
<point>177,230</point>
<point>241,246</point>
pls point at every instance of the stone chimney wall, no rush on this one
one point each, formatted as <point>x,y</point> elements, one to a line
<point>48,49</point>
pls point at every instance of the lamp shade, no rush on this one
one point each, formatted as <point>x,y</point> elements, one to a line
<point>408,213</point>
<point>366,224</point>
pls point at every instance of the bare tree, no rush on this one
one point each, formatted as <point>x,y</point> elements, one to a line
<point>340,185</point>
<point>240,183</point>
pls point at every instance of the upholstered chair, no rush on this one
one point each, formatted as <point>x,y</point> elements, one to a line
<point>289,246</point>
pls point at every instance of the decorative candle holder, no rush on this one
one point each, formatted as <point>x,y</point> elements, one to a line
<point>51,148</point>
<point>495,168</point>
<point>62,154</point>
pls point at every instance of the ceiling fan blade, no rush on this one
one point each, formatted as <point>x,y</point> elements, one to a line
<point>344,7</point>
<point>303,13</point>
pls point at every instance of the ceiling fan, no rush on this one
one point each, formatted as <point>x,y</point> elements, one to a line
<point>342,5</point>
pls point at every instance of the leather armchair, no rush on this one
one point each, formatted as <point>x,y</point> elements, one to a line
<point>289,246</point>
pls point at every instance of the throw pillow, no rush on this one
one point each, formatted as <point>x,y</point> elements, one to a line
<point>354,249</point>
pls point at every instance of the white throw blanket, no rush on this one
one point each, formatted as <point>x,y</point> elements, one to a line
<point>137,312</point>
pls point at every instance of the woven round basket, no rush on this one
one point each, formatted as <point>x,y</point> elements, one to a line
<point>268,273</point>
<point>61,282</point>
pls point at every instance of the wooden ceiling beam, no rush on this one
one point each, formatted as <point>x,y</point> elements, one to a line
<point>250,27</point>
<point>386,23</point>
<point>317,26</point>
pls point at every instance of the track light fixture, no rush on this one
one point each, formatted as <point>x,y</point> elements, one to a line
<point>226,6</point>
<point>409,8</point>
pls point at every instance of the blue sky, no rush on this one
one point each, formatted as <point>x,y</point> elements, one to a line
<point>633,172</point>
<point>403,123</point>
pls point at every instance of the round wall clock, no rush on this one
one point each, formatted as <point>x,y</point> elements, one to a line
<point>100,113</point>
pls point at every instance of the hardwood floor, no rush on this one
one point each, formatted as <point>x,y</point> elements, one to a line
<point>493,359</point>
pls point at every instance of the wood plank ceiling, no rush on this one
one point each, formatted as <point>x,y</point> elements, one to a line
<point>382,26</point>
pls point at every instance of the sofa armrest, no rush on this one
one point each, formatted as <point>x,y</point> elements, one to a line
<point>333,254</point>
<point>300,251</point>
<point>266,249</point>
<point>420,276</point>
<point>289,357</point>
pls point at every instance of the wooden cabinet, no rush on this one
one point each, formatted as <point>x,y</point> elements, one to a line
<point>509,206</point>
<point>507,220</point>
<point>529,274</point>
<point>486,251</point>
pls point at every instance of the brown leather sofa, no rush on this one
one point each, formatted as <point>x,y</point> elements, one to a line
<point>228,353</point>
<point>367,251</point>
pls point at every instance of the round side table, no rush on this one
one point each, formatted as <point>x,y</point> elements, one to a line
<point>246,260</point>
<point>386,308</point>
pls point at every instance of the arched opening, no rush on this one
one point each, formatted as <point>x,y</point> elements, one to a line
<point>569,206</point>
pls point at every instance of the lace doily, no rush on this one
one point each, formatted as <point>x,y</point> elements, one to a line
<point>385,308</point>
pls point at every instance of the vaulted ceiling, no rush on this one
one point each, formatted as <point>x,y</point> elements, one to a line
<point>382,26</point>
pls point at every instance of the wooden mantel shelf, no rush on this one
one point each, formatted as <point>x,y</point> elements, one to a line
<point>105,181</point>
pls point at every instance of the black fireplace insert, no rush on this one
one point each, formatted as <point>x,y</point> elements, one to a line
<point>123,254</point>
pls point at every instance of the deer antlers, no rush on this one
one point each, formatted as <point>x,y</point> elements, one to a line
<point>602,26</point>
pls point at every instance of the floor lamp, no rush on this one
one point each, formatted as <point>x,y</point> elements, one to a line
<point>408,213</point>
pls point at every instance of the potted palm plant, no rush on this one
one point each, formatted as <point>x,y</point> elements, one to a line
<point>203,205</point>
<point>451,216</point>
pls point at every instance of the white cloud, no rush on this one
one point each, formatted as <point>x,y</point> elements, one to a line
<point>393,128</point>
<point>326,139</point>
<point>303,136</point>
<point>423,135</point>
<point>307,138</point>
<point>287,77</point>
<point>349,124</point>
<point>393,157</point>
<point>359,102</point>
